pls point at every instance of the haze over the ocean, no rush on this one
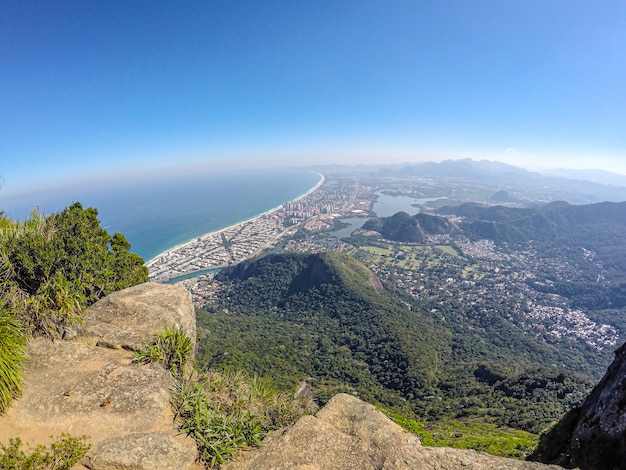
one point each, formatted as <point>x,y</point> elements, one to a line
<point>115,89</point>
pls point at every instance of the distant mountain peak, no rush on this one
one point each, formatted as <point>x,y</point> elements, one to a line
<point>595,176</point>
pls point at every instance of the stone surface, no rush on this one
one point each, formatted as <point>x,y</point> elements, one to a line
<point>348,434</point>
<point>79,388</point>
<point>595,437</point>
<point>139,451</point>
<point>129,318</point>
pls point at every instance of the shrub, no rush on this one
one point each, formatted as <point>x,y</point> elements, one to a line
<point>225,412</point>
<point>483,437</point>
<point>219,432</point>
<point>62,454</point>
<point>52,268</point>
<point>415,426</point>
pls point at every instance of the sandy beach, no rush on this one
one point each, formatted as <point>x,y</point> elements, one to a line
<point>203,238</point>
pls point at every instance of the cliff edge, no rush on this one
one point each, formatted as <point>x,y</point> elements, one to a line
<point>90,386</point>
<point>594,435</point>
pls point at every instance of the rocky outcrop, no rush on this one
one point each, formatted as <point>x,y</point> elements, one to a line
<point>349,434</point>
<point>593,436</point>
<point>129,318</point>
<point>90,386</point>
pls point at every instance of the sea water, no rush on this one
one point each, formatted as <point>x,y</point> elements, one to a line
<point>159,214</point>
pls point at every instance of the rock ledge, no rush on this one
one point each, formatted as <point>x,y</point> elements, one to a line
<point>81,388</point>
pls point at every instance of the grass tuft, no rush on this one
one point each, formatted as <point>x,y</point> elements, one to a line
<point>171,347</point>
<point>229,411</point>
<point>12,356</point>
<point>223,411</point>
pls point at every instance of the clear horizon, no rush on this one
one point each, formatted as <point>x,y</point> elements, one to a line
<point>92,88</point>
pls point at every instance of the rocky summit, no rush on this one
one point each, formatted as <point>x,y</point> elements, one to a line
<point>90,386</point>
<point>129,319</point>
<point>601,427</point>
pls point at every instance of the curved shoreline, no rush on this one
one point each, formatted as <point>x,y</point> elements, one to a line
<point>217,232</point>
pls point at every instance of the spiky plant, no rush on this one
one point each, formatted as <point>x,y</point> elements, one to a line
<point>228,411</point>
<point>12,355</point>
<point>172,347</point>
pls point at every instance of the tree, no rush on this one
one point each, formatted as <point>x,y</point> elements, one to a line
<point>56,266</point>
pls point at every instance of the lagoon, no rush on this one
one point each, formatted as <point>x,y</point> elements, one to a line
<point>387,205</point>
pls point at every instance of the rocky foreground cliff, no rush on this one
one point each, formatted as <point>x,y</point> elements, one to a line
<point>90,386</point>
<point>594,435</point>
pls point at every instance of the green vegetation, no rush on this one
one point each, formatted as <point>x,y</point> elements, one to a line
<point>471,434</point>
<point>490,298</point>
<point>51,269</point>
<point>406,228</point>
<point>377,250</point>
<point>445,355</point>
<point>12,355</point>
<point>328,321</point>
<point>224,412</point>
<point>447,341</point>
<point>448,250</point>
<point>321,318</point>
<point>55,266</point>
<point>415,426</point>
<point>483,437</point>
<point>558,227</point>
<point>61,454</point>
<point>171,347</point>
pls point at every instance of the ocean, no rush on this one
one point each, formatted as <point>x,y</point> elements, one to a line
<point>159,214</point>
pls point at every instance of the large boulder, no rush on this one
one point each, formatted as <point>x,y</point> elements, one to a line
<point>349,434</point>
<point>130,318</point>
<point>81,388</point>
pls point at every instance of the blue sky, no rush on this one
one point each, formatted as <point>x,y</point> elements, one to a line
<point>93,88</point>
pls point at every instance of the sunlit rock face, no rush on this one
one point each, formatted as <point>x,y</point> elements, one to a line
<point>90,385</point>
<point>600,432</point>
<point>349,434</point>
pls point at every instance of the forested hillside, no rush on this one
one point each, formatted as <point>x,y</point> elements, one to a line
<point>575,252</point>
<point>327,320</point>
<point>598,227</point>
<point>405,228</point>
<point>591,237</point>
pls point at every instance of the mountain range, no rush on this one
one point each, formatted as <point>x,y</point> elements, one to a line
<point>576,186</point>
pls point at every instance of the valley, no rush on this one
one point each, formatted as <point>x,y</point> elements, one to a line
<point>467,309</point>
<point>539,287</point>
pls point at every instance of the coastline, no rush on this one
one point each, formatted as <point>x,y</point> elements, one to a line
<point>207,235</point>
